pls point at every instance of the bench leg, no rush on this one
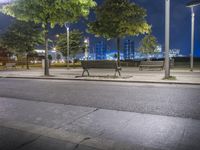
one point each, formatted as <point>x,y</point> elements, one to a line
<point>88,73</point>
<point>117,71</point>
<point>85,70</point>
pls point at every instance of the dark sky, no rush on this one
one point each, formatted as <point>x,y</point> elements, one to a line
<point>180,24</point>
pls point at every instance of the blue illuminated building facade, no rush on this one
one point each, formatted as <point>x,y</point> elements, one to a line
<point>102,53</point>
<point>129,49</point>
<point>100,48</point>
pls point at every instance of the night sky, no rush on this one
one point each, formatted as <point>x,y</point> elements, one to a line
<point>180,25</point>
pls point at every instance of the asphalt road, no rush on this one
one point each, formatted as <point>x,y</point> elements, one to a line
<point>169,100</point>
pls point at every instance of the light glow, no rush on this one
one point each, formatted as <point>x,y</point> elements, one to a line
<point>5,1</point>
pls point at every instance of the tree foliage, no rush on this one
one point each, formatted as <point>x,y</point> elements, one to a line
<point>119,18</point>
<point>22,37</point>
<point>47,12</point>
<point>148,44</point>
<point>75,43</point>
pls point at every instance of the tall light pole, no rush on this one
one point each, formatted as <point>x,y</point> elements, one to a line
<point>192,5</point>
<point>192,39</point>
<point>86,41</point>
<point>167,38</point>
<point>67,29</point>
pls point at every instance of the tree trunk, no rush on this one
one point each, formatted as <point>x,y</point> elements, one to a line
<point>118,51</point>
<point>27,62</point>
<point>73,63</point>
<point>148,58</point>
<point>46,67</point>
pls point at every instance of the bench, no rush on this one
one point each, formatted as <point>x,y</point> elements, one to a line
<point>10,65</point>
<point>151,64</point>
<point>100,64</point>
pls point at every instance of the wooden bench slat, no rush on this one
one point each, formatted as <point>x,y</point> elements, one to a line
<point>10,65</point>
<point>151,64</point>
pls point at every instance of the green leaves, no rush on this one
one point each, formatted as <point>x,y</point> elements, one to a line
<point>148,44</point>
<point>75,43</point>
<point>49,11</point>
<point>22,37</point>
<point>119,18</point>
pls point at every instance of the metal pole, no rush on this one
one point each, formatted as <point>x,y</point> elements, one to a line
<point>93,53</point>
<point>86,53</point>
<point>86,48</point>
<point>67,47</point>
<point>192,39</point>
<point>167,38</point>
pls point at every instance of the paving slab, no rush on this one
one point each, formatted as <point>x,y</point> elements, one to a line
<point>47,114</point>
<point>95,128</point>
<point>14,139</point>
<point>129,74</point>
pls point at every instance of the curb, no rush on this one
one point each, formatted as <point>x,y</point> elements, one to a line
<point>97,80</point>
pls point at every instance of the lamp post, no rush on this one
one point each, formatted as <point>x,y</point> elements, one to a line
<point>167,38</point>
<point>192,5</point>
<point>86,41</point>
<point>67,29</point>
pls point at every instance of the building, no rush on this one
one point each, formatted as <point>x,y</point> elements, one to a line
<point>100,48</point>
<point>56,56</point>
<point>158,49</point>
<point>129,49</point>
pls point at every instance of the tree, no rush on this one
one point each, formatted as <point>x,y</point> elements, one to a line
<point>119,18</point>
<point>22,38</point>
<point>75,43</point>
<point>148,44</point>
<point>47,12</point>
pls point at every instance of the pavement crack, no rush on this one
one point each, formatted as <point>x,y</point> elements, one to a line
<point>83,116</point>
<point>77,145</point>
<point>181,138</point>
<point>27,142</point>
<point>100,134</point>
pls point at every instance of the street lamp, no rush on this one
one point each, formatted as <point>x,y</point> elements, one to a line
<point>67,29</point>
<point>192,5</point>
<point>57,35</point>
<point>167,38</point>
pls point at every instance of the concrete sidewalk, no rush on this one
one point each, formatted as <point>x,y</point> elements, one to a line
<point>30,125</point>
<point>129,74</point>
<point>16,139</point>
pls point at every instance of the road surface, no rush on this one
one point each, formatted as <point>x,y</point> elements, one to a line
<point>158,99</point>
